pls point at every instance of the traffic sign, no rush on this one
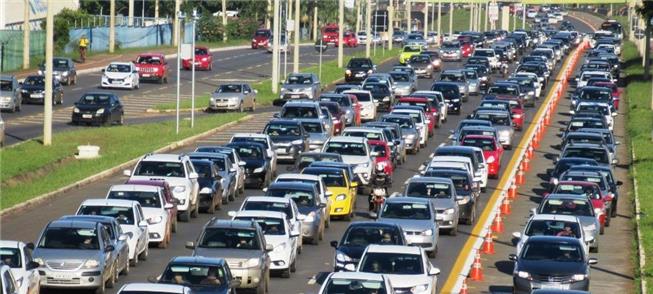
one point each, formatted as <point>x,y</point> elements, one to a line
<point>290,25</point>
<point>493,12</point>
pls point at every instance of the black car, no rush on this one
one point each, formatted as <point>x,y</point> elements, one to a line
<point>98,108</point>
<point>565,164</point>
<point>467,191</point>
<point>360,234</point>
<point>204,275</point>
<point>33,90</point>
<point>210,194</point>
<point>551,262</point>
<point>358,69</point>
<point>289,138</point>
<point>257,166</point>
<point>381,94</point>
<point>452,95</point>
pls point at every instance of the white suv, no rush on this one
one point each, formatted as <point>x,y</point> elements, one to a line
<point>180,174</point>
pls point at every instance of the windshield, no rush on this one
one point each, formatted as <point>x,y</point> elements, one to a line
<point>149,59</point>
<point>6,85</point>
<point>363,236</point>
<point>420,59</point>
<point>450,46</point>
<point>229,89</point>
<point>269,206</point>
<point>363,96</point>
<point>118,68</point>
<point>95,99</point>
<point>299,112</point>
<point>409,49</point>
<point>312,127</point>
<point>229,238</point>
<point>269,225</point>
<point>302,198</point>
<point>195,275</point>
<point>350,286</point>
<point>10,257</point>
<point>339,99</point>
<point>485,144</point>
<point>495,118</point>
<point>146,199</point>
<point>592,179</point>
<point>416,211</point>
<point>590,191</point>
<point>299,80</point>
<point>404,123</point>
<point>380,149</point>
<point>262,33</point>
<point>600,95</point>
<point>60,63</point>
<point>567,207</point>
<point>275,130</point>
<point>249,152</point>
<point>363,134</point>
<point>558,252</point>
<point>448,91</point>
<point>70,238</point>
<point>503,90</point>
<point>160,169</point>
<point>415,115</point>
<point>450,77</point>
<point>203,169</point>
<point>553,228</point>
<point>392,263</point>
<point>201,51</point>
<point>344,148</point>
<point>330,179</point>
<point>599,155</point>
<point>34,81</point>
<point>400,77</point>
<point>359,63</point>
<point>428,190</point>
<point>124,215</point>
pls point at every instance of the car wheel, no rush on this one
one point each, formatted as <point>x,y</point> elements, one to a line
<point>145,254</point>
<point>602,230</point>
<point>113,278</point>
<point>184,216</point>
<point>101,289</point>
<point>134,261</point>
<point>607,218</point>
<point>613,210</point>
<point>125,271</point>
<point>472,217</point>
<point>433,253</point>
<point>196,212</point>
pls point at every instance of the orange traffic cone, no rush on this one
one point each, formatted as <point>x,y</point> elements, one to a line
<point>519,179</point>
<point>497,224</point>
<point>537,137</point>
<point>529,151</point>
<point>547,118</point>
<point>505,208</point>
<point>512,191</point>
<point>488,245</point>
<point>463,288</point>
<point>476,274</point>
<point>525,164</point>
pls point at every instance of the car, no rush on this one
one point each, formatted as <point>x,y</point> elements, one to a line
<point>258,170</point>
<point>63,70</point>
<point>564,164</point>
<point>358,69</point>
<point>409,133</point>
<point>586,75</point>
<point>451,94</point>
<point>492,151</point>
<point>382,95</point>
<point>305,109</point>
<point>10,94</point>
<point>490,54</point>
<point>459,78</point>
<point>324,194</point>
<point>359,235</point>
<point>442,194</point>
<point>405,83</point>
<point>600,153</point>
<point>338,115</point>
<point>279,202</point>
<point>349,39</point>
<point>155,206</point>
<point>467,48</point>
<point>354,151</point>
<point>343,282</point>
<point>278,233</point>
<point>18,257</point>
<point>98,108</point>
<point>236,163</point>
<point>310,207</point>
<point>456,133</point>
<point>264,139</point>
<point>528,88</point>
<point>417,218</point>
<point>551,225</point>
<point>398,36</point>
<point>430,105</point>
<point>576,205</point>
<point>591,94</point>
<point>218,186</point>
<point>436,61</point>
<point>415,39</point>
<point>407,267</point>
<point>317,135</point>
<point>75,255</point>
<point>338,183</point>
<point>474,155</point>
<point>422,64</point>
<point>149,288</point>
<point>330,33</point>
<point>242,245</point>
<point>451,51</point>
<point>408,51</point>
<point>120,75</point>
<point>129,215</point>
<point>305,159</point>
<point>261,38</point>
<point>421,123</point>
<point>32,90</point>
<point>396,142</point>
<point>202,59</point>
<point>545,259</point>
<point>502,121</point>
<point>348,104</point>
<point>514,104</point>
<point>300,86</point>
<point>289,138</point>
<point>7,280</point>
<point>593,108</point>
<point>201,274</point>
<point>368,107</point>
<point>152,66</point>
<point>233,96</point>
<point>180,174</point>
<point>601,202</point>
<point>283,44</point>
<point>474,81</point>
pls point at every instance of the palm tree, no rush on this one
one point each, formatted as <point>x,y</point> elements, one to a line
<point>645,10</point>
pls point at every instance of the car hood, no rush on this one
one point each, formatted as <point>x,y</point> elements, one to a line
<point>276,240</point>
<point>234,255</point>
<point>172,181</point>
<point>117,75</point>
<point>353,159</point>
<point>32,88</point>
<point>67,255</point>
<point>419,64</point>
<point>409,224</point>
<point>408,281</point>
<point>355,252</point>
<point>152,212</point>
<point>441,203</point>
<point>503,128</point>
<point>318,137</point>
<point>551,268</point>
<point>296,86</point>
<point>306,210</point>
<point>284,139</point>
<point>227,95</point>
<point>90,107</point>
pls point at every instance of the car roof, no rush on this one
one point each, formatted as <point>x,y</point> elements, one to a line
<point>363,129</point>
<point>163,157</point>
<point>133,187</point>
<point>10,243</point>
<point>557,217</point>
<point>375,248</point>
<point>357,276</point>
<point>268,199</point>
<point>59,223</point>
<point>260,213</point>
<point>199,260</point>
<point>297,176</point>
<point>249,135</point>
<point>346,139</point>
<point>109,202</point>
<point>90,218</point>
<point>421,179</point>
<point>236,224</point>
<point>407,199</point>
<point>291,185</point>
<point>154,288</point>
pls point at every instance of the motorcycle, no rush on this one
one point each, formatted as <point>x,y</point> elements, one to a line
<point>376,199</point>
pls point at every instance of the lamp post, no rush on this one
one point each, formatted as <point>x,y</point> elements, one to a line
<point>192,86</point>
<point>180,17</point>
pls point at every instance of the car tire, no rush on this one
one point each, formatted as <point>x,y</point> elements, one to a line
<point>453,232</point>
<point>253,108</point>
<point>602,230</point>
<point>483,189</point>
<point>145,254</point>
<point>613,210</point>
<point>472,217</point>
<point>195,212</point>
<point>433,253</point>
<point>134,261</point>
<point>121,120</point>
<point>293,265</point>
<point>184,216</point>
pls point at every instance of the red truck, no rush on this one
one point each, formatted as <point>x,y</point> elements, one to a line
<point>152,66</point>
<point>330,34</point>
<point>203,59</point>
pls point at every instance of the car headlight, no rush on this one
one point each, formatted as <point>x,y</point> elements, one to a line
<point>204,59</point>
<point>348,72</point>
<point>155,220</point>
<point>523,275</point>
<point>91,263</point>
<point>76,110</point>
<point>65,74</point>
<point>364,165</point>
<point>100,111</point>
<point>516,116</point>
<point>310,217</point>
<point>341,197</point>
<point>258,170</point>
<point>504,134</point>
<point>253,40</point>
<point>419,288</point>
<point>253,262</point>
<point>578,277</point>
<point>490,159</point>
<point>449,211</point>
<point>297,142</point>
<point>342,257</point>
<point>179,189</point>
<point>429,66</point>
<point>428,232</point>
<point>283,89</point>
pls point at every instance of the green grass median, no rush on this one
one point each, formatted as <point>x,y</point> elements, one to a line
<point>639,130</point>
<point>31,169</point>
<point>330,74</point>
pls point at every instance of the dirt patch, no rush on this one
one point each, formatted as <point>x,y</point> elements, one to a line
<point>28,177</point>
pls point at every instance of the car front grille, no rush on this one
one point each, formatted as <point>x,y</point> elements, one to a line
<point>74,281</point>
<point>146,69</point>
<point>64,265</point>
<point>552,278</point>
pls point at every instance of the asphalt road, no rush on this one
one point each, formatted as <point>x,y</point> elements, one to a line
<point>28,224</point>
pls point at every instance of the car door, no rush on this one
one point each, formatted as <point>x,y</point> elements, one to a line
<point>122,248</point>
<point>195,185</point>
<point>117,108</point>
<point>109,256</point>
<point>32,275</point>
<point>145,236</point>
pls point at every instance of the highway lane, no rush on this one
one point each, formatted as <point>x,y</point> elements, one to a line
<point>27,225</point>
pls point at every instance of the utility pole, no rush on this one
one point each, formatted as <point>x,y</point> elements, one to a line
<point>130,17</point>
<point>391,19</point>
<point>47,99</point>
<point>426,20</point>
<point>295,57</point>
<point>368,27</point>
<point>450,19</point>
<point>514,19</point>
<point>439,36</point>
<point>486,16</point>
<point>523,20</point>
<point>409,21</point>
<point>267,15</point>
<point>224,20</point>
<point>479,15</point>
<point>358,16</point>
<point>341,23</point>
<point>192,58</point>
<point>178,17</point>
<point>156,11</point>
<point>315,36</point>
<point>176,27</point>
<point>26,31</point>
<point>432,18</point>
<point>112,26</point>
<point>275,48</point>
<point>471,16</point>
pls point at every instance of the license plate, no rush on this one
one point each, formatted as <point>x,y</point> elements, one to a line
<point>147,75</point>
<point>116,82</point>
<point>554,286</point>
<point>222,104</point>
<point>36,96</point>
<point>360,74</point>
<point>295,96</point>
<point>62,276</point>
<point>86,116</point>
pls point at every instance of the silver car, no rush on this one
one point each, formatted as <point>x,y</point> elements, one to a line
<point>405,83</point>
<point>233,97</point>
<point>415,39</point>
<point>416,217</point>
<point>474,81</point>
<point>317,134</point>
<point>76,255</point>
<point>63,70</point>
<point>242,244</point>
<point>443,198</point>
<point>300,86</point>
<point>501,121</point>
<point>408,130</point>
<point>458,77</point>
<point>10,98</point>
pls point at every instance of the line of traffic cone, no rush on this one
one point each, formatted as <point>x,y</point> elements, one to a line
<point>488,244</point>
<point>476,273</point>
<point>525,164</point>
<point>505,209</point>
<point>512,191</point>
<point>519,178</point>
<point>497,224</point>
<point>529,151</point>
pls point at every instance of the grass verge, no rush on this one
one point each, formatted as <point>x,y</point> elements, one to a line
<point>639,122</point>
<point>330,74</point>
<point>30,169</point>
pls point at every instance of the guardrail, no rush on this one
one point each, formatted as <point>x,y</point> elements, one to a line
<point>524,153</point>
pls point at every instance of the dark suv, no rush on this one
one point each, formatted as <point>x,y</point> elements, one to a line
<point>358,69</point>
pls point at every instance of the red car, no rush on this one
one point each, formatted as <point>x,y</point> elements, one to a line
<point>492,151</point>
<point>337,114</point>
<point>261,38</point>
<point>203,60</point>
<point>616,93</point>
<point>467,49</point>
<point>349,39</point>
<point>431,111</point>
<point>152,66</point>
<point>383,159</point>
<point>330,33</point>
<point>600,202</point>
<point>357,107</point>
<point>517,111</point>
<point>169,199</point>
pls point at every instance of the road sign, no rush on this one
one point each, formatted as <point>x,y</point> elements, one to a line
<point>186,51</point>
<point>290,25</point>
<point>349,4</point>
<point>493,12</point>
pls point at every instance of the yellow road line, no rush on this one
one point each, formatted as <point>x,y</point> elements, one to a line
<point>457,268</point>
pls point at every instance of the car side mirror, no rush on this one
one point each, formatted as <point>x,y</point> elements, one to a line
<point>108,248</point>
<point>123,237</point>
<point>593,260</point>
<point>350,267</point>
<point>127,173</point>
<point>354,184</point>
<point>32,265</point>
<point>334,244</point>
<point>193,175</point>
<point>269,247</point>
<point>516,235</point>
<point>322,205</point>
<point>190,245</point>
<point>512,257</point>
<point>434,271</point>
<point>374,154</point>
<point>276,115</point>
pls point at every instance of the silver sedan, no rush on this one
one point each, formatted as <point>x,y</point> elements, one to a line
<point>233,97</point>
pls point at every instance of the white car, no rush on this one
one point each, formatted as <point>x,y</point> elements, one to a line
<point>531,13</point>
<point>129,215</point>
<point>587,75</point>
<point>343,282</point>
<point>533,76</point>
<point>121,75</point>
<point>436,161</point>
<point>490,55</point>
<point>322,189</point>
<point>17,256</point>
<point>420,122</point>
<point>354,151</point>
<point>278,233</point>
<point>154,206</point>
<point>407,267</point>
<point>443,107</point>
<point>260,138</point>
<point>180,174</point>
<point>154,288</point>
<point>552,225</point>
<point>8,284</point>
<point>368,106</point>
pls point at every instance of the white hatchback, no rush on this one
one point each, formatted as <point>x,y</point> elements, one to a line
<point>368,106</point>
<point>18,257</point>
<point>122,75</point>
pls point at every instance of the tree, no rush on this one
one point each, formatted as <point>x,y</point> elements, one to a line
<point>645,10</point>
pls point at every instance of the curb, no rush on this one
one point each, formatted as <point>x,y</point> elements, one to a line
<point>108,172</point>
<point>641,256</point>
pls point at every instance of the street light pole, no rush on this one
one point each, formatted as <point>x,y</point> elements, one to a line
<point>391,19</point>
<point>224,21</point>
<point>47,99</point>
<point>295,57</point>
<point>368,28</point>
<point>112,25</point>
<point>178,16</point>
<point>192,86</point>
<point>409,22</point>
<point>426,20</point>
<point>450,19</point>
<point>275,48</point>
<point>26,31</point>
<point>176,27</point>
<point>439,36</point>
<point>523,20</point>
<point>341,24</point>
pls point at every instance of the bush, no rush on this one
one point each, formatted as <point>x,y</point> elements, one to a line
<point>209,28</point>
<point>62,25</point>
